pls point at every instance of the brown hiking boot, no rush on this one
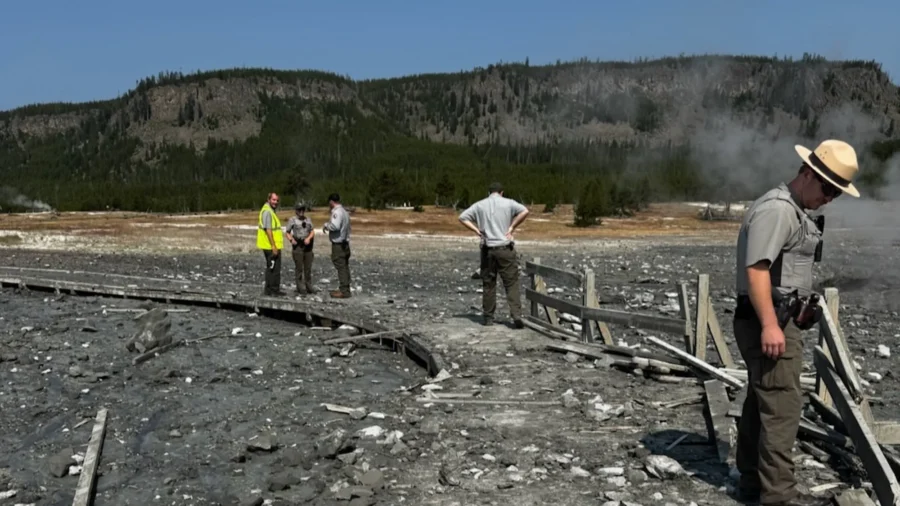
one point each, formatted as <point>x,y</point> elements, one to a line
<point>337,294</point>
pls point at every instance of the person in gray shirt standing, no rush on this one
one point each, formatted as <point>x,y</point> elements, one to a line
<point>338,230</point>
<point>494,219</point>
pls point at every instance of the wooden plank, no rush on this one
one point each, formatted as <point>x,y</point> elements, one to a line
<point>598,352</point>
<point>387,334</point>
<point>489,402</point>
<point>832,300</point>
<point>719,426</point>
<point>853,497</point>
<point>887,432</point>
<point>843,364</point>
<point>638,320</point>
<point>879,471</point>
<point>604,331</point>
<point>827,412</point>
<point>140,359</point>
<point>718,338</point>
<point>192,297</point>
<point>557,304</point>
<point>811,430</point>
<point>549,330</point>
<point>84,493</point>
<point>702,312</point>
<point>551,313</point>
<point>568,278</point>
<point>534,286</point>
<point>540,286</point>
<point>697,363</point>
<point>684,304</point>
<point>589,295</point>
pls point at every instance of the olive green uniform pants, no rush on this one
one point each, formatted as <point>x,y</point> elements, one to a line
<point>500,261</point>
<point>771,414</point>
<point>340,257</point>
<point>303,261</point>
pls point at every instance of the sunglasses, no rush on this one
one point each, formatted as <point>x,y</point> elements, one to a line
<point>828,189</point>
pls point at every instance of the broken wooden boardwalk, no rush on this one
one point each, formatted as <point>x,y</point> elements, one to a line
<point>174,292</point>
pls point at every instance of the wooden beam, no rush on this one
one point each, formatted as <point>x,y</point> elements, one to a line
<point>549,329</point>
<point>569,278</point>
<point>843,364</point>
<point>638,320</point>
<point>684,304</point>
<point>84,493</point>
<point>598,353</point>
<point>702,315</point>
<point>718,338</point>
<point>386,334</point>
<point>879,471</point>
<point>887,432</point>
<point>832,300</point>
<point>719,426</point>
<point>853,497</point>
<point>697,363</point>
<point>558,304</point>
<point>589,295</point>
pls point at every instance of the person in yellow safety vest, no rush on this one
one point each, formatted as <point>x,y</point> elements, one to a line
<point>270,239</point>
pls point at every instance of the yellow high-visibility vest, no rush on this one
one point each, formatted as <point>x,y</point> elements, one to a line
<point>262,240</point>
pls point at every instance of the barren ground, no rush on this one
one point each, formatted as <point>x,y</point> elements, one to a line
<point>171,440</point>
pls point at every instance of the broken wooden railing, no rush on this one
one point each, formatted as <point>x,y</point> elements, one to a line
<point>592,319</point>
<point>841,425</point>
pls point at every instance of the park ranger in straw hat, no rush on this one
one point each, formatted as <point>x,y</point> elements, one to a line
<point>777,245</point>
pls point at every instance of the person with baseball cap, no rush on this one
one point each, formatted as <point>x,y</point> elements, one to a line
<point>777,246</point>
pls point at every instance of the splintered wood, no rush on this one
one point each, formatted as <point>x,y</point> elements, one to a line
<point>845,426</point>
<point>84,494</point>
<point>719,426</point>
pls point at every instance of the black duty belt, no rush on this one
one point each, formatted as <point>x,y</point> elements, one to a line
<point>505,246</point>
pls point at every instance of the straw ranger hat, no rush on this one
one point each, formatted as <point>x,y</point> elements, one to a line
<point>835,161</point>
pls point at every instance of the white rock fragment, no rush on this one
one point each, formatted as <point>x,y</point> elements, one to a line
<point>579,472</point>
<point>874,376</point>
<point>488,457</point>
<point>611,471</point>
<point>663,467</point>
<point>373,431</point>
<point>884,351</point>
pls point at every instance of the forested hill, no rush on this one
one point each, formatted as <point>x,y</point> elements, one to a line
<point>686,127</point>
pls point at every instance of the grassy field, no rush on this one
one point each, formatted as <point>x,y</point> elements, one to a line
<point>659,219</point>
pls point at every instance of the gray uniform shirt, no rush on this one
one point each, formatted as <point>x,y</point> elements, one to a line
<point>299,227</point>
<point>339,225</point>
<point>776,229</point>
<point>493,216</point>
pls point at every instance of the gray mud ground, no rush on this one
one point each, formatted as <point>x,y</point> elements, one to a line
<point>170,441</point>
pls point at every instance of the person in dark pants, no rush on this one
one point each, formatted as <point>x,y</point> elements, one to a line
<point>301,233</point>
<point>270,240</point>
<point>338,230</point>
<point>494,219</point>
<point>777,246</point>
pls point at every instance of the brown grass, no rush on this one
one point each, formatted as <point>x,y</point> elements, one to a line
<point>658,220</point>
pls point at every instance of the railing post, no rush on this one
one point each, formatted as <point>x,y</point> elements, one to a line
<point>534,286</point>
<point>702,312</point>
<point>589,294</point>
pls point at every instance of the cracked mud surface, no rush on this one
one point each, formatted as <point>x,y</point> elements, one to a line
<point>250,427</point>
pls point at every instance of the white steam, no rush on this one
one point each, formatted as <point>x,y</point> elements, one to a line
<point>13,198</point>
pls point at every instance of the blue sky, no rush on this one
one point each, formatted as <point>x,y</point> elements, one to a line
<point>96,49</point>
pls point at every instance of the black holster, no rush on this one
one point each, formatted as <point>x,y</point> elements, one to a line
<point>804,311</point>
